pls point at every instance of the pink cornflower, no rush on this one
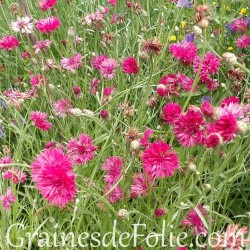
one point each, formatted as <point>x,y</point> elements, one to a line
<point>159,212</point>
<point>48,25</point>
<point>23,25</point>
<point>171,112</point>
<point>232,108</point>
<point>53,175</point>
<point>129,66</point>
<point>144,141</point>
<point>168,85</point>
<point>38,80</point>
<point>72,63</point>
<point>112,2</point>
<point>82,150</point>
<point>15,175</point>
<point>42,46</point>
<point>48,4</point>
<point>194,221</point>
<point>62,107</point>
<point>239,24</point>
<point>209,66</point>
<point>141,184</point>
<point>9,43</point>
<point>243,42</point>
<point>185,52</point>
<point>39,120</point>
<point>96,61</point>
<point>93,85</point>
<point>50,144</point>
<point>115,195</point>
<point>189,128</point>
<point>5,160</point>
<point>181,248</point>
<point>8,199</point>
<point>233,238</point>
<point>186,82</point>
<point>159,160</point>
<point>226,126</point>
<point>113,166</point>
<point>107,68</point>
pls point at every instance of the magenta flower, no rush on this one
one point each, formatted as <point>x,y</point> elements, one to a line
<point>15,176</point>
<point>48,25</point>
<point>171,112</point>
<point>39,120</point>
<point>194,221</point>
<point>185,52</point>
<point>141,184</point>
<point>115,195</point>
<point>9,43</point>
<point>42,46</point>
<point>48,4</point>
<point>72,63</point>
<point>8,199</point>
<point>188,128</point>
<point>159,160</point>
<point>243,42</point>
<point>129,66</point>
<point>53,175</point>
<point>96,61</point>
<point>108,67</point>
<point>62,107</point>
<point>82,150</point>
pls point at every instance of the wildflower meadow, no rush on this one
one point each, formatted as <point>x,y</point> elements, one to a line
<point>125,124</point>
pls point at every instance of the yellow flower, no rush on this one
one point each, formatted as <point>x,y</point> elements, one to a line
<point>215,4</point>
<point>227,7</point>
<point>230,48</point>
<point>181,37</point>
<point>172,38</point>
<point>183,24</point>
<point>243,11</point>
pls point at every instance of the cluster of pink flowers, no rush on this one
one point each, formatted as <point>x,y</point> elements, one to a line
<point>208,125</point>
<point>39,120</point>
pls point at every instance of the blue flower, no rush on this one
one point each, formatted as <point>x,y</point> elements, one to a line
<point>184,3</point>
<point>189,37</point>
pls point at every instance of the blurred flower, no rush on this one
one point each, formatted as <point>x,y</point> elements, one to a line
<point>14,175</point>
<point>48,25</point>
<point>151,46</point>
<point>9,43</point>
<point>129,66</point>
<point>23,25</point>
<point>108,67</point>
<point>42,46</point>
<point>62,107</point>
<point>72,63</point>
<point>194,221</point>
<point>115,195</point>
<point>243,42</point>
<point>39,120</point>
<point>171,112</point>
<point>8,199</point>
<point>48,4</point>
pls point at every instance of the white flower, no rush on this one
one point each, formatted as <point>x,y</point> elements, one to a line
<point>23,25</point>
